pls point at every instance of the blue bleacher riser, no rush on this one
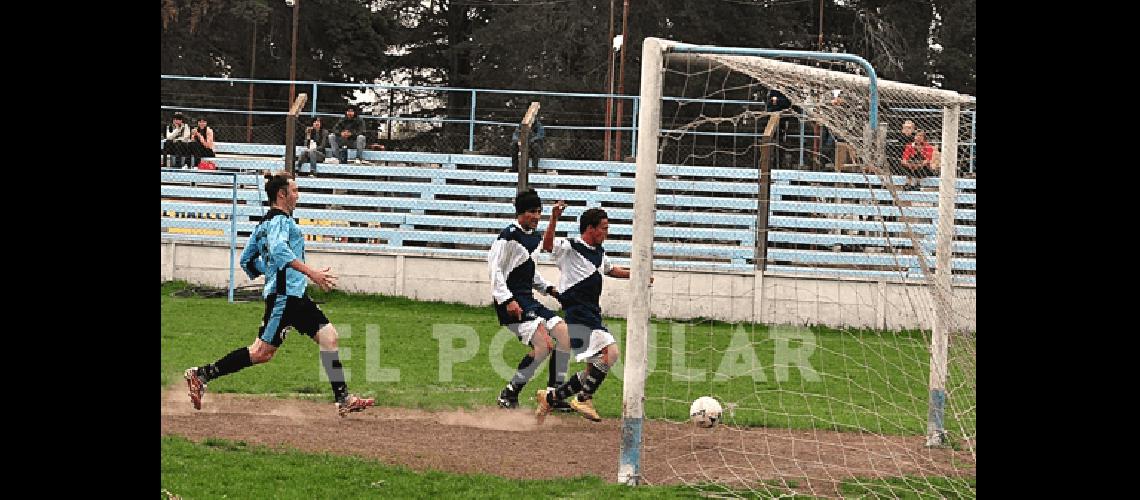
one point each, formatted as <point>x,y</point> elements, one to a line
<point>729,204</point>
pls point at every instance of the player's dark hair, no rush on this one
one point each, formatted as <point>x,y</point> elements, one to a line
<point>526,201</point>
<point>591,218</point>
<point>275,182</point>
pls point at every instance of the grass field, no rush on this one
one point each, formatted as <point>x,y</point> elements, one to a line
<point>869,381</point>
<point>863,381</point>
<point>217,468</point>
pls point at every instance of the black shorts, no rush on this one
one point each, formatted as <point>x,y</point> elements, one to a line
<point>283,311</point>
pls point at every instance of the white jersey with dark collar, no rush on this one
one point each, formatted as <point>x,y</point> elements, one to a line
<point>582,268</point>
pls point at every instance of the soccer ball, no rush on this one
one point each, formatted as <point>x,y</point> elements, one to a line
<point>705,412</point>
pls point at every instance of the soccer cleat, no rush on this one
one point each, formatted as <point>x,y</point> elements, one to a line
<point>542,408</point>
<point>561,404</point>
<point>352,404</point>
<point>508,399</point>
<point>586,408</point>
<point>196,385</point>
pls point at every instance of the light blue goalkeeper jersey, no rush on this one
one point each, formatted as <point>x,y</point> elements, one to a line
<point>276,242</point>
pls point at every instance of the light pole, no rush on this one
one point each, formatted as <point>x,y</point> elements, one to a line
<point>296,4</point>
<point>291,119</point>
<point>252,69</point>
<point>621,81</point>
<point>615,136</point>
<point>609,86</point>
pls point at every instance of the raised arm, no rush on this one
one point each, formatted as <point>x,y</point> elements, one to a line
<point>548,236</point>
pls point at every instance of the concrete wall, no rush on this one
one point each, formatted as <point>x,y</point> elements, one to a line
<point>770,299</point>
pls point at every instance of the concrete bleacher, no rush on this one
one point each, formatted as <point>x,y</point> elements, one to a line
<point>841,224</point>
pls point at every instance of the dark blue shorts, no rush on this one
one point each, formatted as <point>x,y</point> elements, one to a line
<point>532,310</point>
<point>585,316</point>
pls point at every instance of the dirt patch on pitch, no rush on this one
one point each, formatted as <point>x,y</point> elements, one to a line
<point>510,444</point>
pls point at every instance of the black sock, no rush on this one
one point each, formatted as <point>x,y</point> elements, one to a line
<point>592,378</point>
<point>585,383</point>
<point>568,389</point>
<point>230,363</point>
<point>331,361</point>
<point>525,372</point>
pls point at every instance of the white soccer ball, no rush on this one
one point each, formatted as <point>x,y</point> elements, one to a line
<point>705,412</point>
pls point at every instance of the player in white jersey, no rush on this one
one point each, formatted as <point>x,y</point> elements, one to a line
<point>582,261</point>
<point>514,279</point>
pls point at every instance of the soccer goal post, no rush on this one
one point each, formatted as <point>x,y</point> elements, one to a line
<point>828,305</point>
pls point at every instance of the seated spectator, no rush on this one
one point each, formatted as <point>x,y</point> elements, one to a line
<point>919,160</point>
<point>177,144</point>
<point>534,150</point>
<point>355,125</point>
<point>907,135</point>
<point>203,143</point>
<point>341,153</point>
<point>905,138</point>
<point>315,142</point>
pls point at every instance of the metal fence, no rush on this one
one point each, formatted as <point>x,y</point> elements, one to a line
<point>458,120</point>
